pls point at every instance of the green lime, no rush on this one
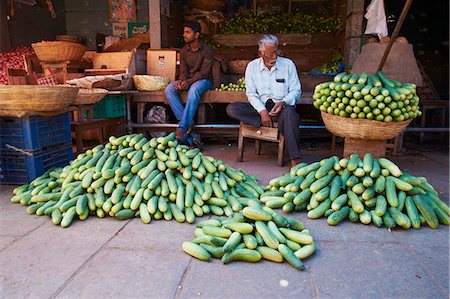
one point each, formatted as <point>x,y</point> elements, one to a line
<point>368,98</point>
<point>396,113</point>
<point>386,111</point>
<point>373,103</point>
<point>349,109</point>
<point>349,94</point>
<point>361,103</point>
<point>357,95</point>
<point>379,117</point>
<point>387,100</point>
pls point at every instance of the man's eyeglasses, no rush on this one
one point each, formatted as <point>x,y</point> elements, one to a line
<point>273,54</point>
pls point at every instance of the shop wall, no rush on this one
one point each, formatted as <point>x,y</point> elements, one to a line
<point>86,18</point>
<point>31,24</point>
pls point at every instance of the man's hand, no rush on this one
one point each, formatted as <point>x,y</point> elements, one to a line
<point>266,120</point>
<point>177,85</point>
<point>276,110</point>
<point>184,85</point>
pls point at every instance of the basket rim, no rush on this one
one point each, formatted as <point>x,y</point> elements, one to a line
<point>357,126</point>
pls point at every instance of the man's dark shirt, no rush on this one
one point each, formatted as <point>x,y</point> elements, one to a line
<point>196,65</point>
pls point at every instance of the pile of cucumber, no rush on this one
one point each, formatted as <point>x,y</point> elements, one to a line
<point>131,176</point>
<point>253,234</point>
<point>366,191</point>
<point>373,97</point>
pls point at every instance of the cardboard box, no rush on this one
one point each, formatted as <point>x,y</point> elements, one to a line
<point>162,63</point>
<point>117,63</point>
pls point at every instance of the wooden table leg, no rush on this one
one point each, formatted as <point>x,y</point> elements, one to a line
<point>240,156</point>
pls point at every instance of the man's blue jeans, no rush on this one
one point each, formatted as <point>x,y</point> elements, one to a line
<point>185,114</point>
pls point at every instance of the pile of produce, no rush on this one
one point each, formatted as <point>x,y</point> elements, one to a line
<point>374,97</point>
<point>239,85</point>
<point>274,22</point>
<point>335,66</point>
<point>13,59</point>
<point>366,191</point>
<point>253,234</point>
<point>134,177</point>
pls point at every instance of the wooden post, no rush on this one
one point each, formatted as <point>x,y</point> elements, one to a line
<point>394,35</point>
<point>154,13</point>
<point>254,7</point>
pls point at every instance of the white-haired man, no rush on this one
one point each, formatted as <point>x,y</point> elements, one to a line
<point>272,88</point>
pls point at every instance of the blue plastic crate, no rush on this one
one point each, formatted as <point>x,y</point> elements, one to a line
<point>22,167</point>
<point>34,132</point>
<point>110,107</point>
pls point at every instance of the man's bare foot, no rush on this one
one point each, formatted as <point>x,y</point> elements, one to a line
<point>294,162</point>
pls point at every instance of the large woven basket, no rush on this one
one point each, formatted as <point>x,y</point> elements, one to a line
<point>36,97</point>
<point>89,96</point>
<point>150,83</point>
<point>58,51</point>
<point>363,128</point>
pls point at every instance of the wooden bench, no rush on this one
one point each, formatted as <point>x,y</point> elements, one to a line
<point>209,97</point>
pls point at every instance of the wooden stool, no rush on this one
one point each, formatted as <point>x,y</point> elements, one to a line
<point>263,133</point>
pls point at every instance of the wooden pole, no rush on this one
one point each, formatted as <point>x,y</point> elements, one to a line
<point>398,26</point>
<point>154,13</point>
<point>289,6</point>
<point>254,7</point>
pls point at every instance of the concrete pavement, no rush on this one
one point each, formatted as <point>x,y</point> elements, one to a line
<point>106,258</point>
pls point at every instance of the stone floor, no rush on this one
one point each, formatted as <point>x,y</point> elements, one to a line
<point>106,258</point>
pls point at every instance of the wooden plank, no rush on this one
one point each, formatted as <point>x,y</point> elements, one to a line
<point>236,40</point>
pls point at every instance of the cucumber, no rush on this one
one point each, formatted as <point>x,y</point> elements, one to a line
<point>400,218</point>
<point>250,241</point>
<point>215,251</point>
<point>124,214</point>
<point>296,236</point>
<point>335,188</point>
<point>442,205</point>
<point>411,211</point>
<point>255,213</point>
<point>233,241</point>
<point>324,169</point>
<point>380,184</point>
<point>321,183</point>
<point>266,234</point>
<point>385,80</point>
<point>381,205</point>
<point>270,254</point>
<point>338,216</point>
<point>440,214</point>
<point>353,162</point>
<point>290,257</point>
<point>68,217</point>
<point>388,221</point>
<point>307,169</point>
<point>276,232</point>
<point>306,251</point>
<point>320,210</point>
<point>196,251</point>
<point>391,194</point>
<point>390,166</point>
<point>245,255</point>
<point>376,169</point>
<point>243,228</point>
<point>339,202</point>
<point>365,217</point>
<point>357,205</point>
<point>377,220</point>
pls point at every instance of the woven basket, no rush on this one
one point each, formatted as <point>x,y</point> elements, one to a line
<point>36,98</point>
<point>89,96</point>
<point>58,51</point>
<point>363,128</point>
<point>237,67</point>
<point>69,38</point>
<point>150,83</point>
